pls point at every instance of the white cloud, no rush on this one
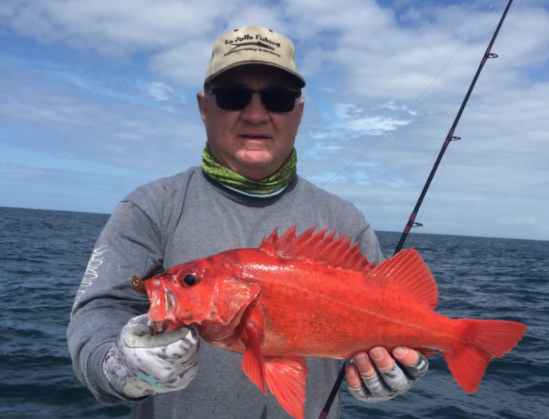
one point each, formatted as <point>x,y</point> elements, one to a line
<point>185,64</point>
<point>113,27</point>
<point>318,150</point>
<point>345,127</point>
<point>158,90</point>
<point>394,107</point>
<point>354,119</point>
<point>257,13</point>
<point>397,183</point>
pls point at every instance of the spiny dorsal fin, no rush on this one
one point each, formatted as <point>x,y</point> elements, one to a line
<point>318,247</point>
<point>410,274</point>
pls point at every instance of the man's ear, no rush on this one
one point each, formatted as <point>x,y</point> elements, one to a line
<point>201,99</point>
<point>300,106</point>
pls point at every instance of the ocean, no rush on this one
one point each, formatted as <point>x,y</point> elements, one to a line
<point>43,255</point>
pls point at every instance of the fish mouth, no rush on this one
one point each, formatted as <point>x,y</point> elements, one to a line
<point>162,311</point>
<point>164,327</point>
<point>158,327</point>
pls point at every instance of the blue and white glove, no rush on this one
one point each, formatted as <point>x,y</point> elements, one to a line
<point>140,364</point>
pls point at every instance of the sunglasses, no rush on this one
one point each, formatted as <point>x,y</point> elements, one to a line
<point>237,98</point>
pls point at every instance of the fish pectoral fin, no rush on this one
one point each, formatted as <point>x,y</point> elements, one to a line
<point>286,378</point>
<point>253,363</point>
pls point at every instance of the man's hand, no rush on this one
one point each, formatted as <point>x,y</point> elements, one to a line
<point>140,364</point>
<point>377,377</point>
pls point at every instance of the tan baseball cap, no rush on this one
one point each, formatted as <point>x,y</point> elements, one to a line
<point>252,45</point>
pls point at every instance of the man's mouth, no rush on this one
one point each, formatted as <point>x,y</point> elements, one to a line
<point>255,137</point>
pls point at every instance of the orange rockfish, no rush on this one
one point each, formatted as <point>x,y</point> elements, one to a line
<point>315,296</point>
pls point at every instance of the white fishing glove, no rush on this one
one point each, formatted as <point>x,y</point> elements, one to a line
<point>384,386</point>
<point>140,364</point>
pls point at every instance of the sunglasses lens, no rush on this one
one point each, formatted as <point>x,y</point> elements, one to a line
<point>235,99</point>
<point>278,100</point>
<point>232,99</point>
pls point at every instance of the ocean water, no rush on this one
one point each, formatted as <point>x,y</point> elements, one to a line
<point>43,255</point>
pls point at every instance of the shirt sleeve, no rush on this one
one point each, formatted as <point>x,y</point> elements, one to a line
<point>369,244</point>
<point>130,244</point>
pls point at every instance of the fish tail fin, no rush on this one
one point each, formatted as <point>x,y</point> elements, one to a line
<point>480,342</point>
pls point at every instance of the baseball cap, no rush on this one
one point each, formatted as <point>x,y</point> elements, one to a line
<point>252,45</point>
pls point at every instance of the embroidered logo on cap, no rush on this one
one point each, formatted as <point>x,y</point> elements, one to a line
<point>247,43</point>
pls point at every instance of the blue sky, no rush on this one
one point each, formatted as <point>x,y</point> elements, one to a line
<point>98,97</point>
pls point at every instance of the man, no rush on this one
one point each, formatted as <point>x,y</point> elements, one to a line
<point>251,107</point>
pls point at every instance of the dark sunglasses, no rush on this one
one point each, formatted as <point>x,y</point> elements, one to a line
<point>237,98</point>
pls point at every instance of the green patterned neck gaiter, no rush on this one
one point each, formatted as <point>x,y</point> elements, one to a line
<point>269,186</point>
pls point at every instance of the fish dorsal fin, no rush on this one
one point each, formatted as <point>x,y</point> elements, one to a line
<point>318,247</point>
<point>407,271</point>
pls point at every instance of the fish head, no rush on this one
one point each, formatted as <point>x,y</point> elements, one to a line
<point>207,294</point>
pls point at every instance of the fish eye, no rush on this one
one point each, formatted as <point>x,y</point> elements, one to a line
<point>190,280</point>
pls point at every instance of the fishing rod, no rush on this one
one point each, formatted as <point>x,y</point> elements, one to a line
<point>411,221</point>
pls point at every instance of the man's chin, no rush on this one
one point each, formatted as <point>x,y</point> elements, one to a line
<point>256,165</point>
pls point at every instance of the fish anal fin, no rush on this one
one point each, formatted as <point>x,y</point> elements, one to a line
<point>253,363</point>
<point>286,378</point>
<point>408,272</point>
<point>319,247</point>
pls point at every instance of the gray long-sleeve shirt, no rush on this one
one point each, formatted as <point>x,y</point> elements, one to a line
<point>174,220</point>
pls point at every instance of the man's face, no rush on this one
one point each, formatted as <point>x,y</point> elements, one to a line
<point>253,142</point>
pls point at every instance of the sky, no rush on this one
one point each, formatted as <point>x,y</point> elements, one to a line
<point>98,97</point>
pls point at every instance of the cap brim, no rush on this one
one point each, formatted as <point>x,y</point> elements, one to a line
<point>299,79</point>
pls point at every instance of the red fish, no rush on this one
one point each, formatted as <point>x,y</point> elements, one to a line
<point>316,296</point>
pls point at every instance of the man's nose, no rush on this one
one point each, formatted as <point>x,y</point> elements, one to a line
<point>255,112</point>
